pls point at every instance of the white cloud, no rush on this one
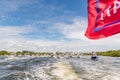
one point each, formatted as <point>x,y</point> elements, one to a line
<point>12,39</point>
<point>13,32</point>
<point>78,42</point>
<point>74,30</point>
<point>86,45</point>
<point>25,44</point>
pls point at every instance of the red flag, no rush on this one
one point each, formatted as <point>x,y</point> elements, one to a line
<point>103,18</point>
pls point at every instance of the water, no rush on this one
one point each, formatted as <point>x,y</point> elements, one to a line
<point>45,68</point>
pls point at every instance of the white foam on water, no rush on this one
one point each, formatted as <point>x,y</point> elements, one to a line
<point>106,68</point>
<point>37,72</point>
<point>13,58</point>
<point>110,77</point>
<point>63,71</point>
<point>102,69</point>
<point>40,73</point>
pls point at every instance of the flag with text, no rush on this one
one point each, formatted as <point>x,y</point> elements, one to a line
<point>103,18</point>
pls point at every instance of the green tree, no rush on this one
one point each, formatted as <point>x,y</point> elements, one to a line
<point>3,52</point>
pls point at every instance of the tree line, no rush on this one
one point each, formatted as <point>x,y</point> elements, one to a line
<point>112,53</point>
<point>24,52</point>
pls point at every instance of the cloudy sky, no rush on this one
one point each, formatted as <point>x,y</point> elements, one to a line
<point>48,25</point>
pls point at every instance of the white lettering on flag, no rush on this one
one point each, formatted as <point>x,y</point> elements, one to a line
<point>116,6</point>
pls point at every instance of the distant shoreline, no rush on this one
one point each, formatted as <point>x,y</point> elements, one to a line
<point>111,53</point>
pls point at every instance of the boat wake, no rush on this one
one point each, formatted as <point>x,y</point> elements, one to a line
<point>45,68</point>
<point>64,71</point>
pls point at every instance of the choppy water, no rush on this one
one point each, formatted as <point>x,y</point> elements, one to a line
<point>44,68</point>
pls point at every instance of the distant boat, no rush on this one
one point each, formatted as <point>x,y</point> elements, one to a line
<point>94,56</point>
